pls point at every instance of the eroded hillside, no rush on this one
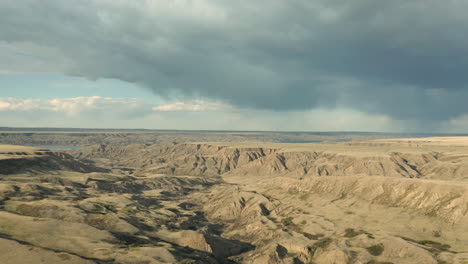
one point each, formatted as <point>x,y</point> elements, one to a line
<point>374,202</point>
<point>283,160</point>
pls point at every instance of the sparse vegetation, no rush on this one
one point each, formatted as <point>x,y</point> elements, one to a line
<point>439,261</point>
<point>376,250</point>
<point>303,196</point>
<point>435,245</point>
<point>313,236</point>
<point>129,209</point>
<point>379,262</point>
<point>288,221</point>
<point>350,232</point>
<point>321,243</point>
<point>64,256</point>
<point>110,207</point>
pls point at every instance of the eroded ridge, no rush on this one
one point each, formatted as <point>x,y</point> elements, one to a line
<point>375,202</point>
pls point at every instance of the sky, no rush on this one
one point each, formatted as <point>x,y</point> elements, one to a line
<point>296,65</point>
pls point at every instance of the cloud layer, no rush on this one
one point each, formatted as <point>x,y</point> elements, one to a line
<point>105,112</point>
<point>93,111</point>
<point>192,105</point>
<point>402,59</point>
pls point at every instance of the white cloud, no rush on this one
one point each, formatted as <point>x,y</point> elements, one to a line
<point>78,108</point>
<point>81,105</point>
<point>192,105</point>
<point>16,104</point>
<point>106,112</point>
<point>4,105</point>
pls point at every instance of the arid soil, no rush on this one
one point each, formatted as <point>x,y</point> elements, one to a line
<point>83,137</point>
<point>386,201</point>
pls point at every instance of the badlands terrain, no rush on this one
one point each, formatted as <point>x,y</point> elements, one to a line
<point>122,137</point>
<point>400,201</point>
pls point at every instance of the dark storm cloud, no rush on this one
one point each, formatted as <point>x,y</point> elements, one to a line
<point>406,59</point>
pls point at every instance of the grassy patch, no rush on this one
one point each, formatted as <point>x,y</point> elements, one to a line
<point>303,196</point>
<point>439,261</point>
<point>64,256</point>
<point>430,245</point>
<point>129,209</point>
<point>288,221</point>
<point>289,224</point>
<point>110,207</point>
<point>349,232</point>
<point>312,236</point>
<point>436,245</point>
<point>375,250</point>
<point>322,243</point>
<point>379,262</point>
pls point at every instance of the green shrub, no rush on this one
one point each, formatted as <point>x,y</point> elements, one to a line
<point>288,221</point>
<point>436,245</point>
<point>375,250</point>
<point>349,232</point>
<point>322,243</point>
<point>378,262</point>
<point>109,207</point>
<point>304,196</point>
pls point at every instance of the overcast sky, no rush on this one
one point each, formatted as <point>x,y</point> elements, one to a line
<point>321,65</point>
